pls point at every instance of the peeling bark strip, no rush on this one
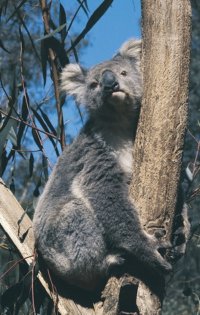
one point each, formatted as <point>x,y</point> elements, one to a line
<point>160,138</point>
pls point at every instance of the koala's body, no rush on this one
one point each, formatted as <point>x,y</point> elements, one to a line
<point>85,223</point>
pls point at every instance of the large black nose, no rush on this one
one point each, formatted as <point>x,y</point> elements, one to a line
<point>109,81</point>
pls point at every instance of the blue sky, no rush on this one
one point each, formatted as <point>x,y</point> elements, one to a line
<point>121,22</point>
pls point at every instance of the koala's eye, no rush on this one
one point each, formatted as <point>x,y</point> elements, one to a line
<point>93,85</point>
<point>124,73</point>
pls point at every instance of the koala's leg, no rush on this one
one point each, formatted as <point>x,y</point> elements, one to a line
<point>73,246</point>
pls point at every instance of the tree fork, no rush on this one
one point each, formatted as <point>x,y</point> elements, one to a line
<point>160,136</point>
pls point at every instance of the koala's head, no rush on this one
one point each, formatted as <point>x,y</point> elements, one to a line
<point>111,83</point>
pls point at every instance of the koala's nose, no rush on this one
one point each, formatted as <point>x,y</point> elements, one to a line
<point>109,81</point>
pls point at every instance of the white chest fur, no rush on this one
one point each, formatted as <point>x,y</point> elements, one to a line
<point>124,156</point>
<point>122,146</point>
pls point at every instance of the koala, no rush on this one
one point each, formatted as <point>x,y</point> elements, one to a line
<point>86,225</point>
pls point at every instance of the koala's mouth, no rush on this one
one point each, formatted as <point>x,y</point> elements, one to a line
<point>119,96</point>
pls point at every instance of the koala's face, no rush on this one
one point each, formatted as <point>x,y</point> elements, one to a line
<point>110,83</point>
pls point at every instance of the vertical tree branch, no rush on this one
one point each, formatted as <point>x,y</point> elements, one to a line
<point>55,77</point>
<point>160,138</point>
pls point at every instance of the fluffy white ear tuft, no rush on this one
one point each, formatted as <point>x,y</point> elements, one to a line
<point>73,81</point>
<point>132,49</point>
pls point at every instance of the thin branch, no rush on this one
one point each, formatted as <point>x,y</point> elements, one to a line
<point>73,18</point>
<point>14,265</point>
<point>55,76</point>
<point>4,88</point>
<point>26,94</point>
<point>30,125</point>
<point>196,158</point>
<point>190,133</point>
<point>24,87</point>
<point>29,35</point>
<point>32,286</point>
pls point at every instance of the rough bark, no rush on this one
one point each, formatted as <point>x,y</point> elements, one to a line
<point>160,137</point>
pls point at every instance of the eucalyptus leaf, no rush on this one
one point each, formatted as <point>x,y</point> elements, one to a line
<point>12,136</point>
<point>57,30</point>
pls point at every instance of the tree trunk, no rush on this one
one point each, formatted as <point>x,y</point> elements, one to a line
<point>160,136</point>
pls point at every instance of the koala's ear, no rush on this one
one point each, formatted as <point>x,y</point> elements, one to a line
<point>73,81</point>
<point>131,49</point>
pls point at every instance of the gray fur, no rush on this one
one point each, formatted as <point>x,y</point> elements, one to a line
<point>85,222</point>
